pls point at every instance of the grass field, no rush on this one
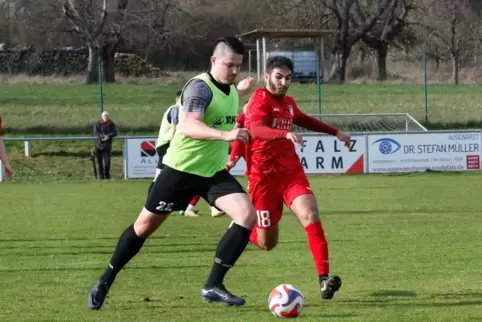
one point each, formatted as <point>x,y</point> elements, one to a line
<point>72,108</point>
<point>406,246</point>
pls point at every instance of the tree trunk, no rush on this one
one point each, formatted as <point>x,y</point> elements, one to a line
<point>382,53</point>
<point>92,67</point>
<point>338,68</point>
<point>455,67</point>
<point>108,60</point>
<point>362,55</point>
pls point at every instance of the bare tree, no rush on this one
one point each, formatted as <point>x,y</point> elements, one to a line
<point>90,28</point>
<point>380,37</point>
<point>348,34</point>
<point>158,25</point>
<point>452,26</point>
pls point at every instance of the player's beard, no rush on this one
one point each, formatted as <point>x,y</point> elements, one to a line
<point>275,90</point>
<point>231,79</point>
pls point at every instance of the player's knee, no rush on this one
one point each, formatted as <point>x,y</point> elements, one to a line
<point>147,223</point>
<point>270,245</point>
<point>308,217</point>
<point>267,240</point>
<point>248,218</point>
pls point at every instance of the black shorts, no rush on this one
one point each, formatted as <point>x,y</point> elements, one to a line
<point>161,151</point>
<point>173,189</point>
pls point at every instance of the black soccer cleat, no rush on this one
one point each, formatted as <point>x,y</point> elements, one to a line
<point>220,294</point>
<point>97,296</point>
<point>329,286</point>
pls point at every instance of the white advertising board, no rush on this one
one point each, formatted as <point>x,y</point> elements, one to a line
<point>420,152</point>
<point>325,155</point>
<point>140,158</point>
<point>319,155</point>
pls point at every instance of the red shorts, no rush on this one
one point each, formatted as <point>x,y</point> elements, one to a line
<point>269,192</point>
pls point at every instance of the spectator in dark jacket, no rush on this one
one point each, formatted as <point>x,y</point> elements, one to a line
<point>105,131</point>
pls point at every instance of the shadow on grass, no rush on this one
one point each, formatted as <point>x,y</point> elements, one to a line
<point>62,153</point>
<point>393,298</point>
<point>81,130</point>
<point>394,293</point>
<point>394,212</point>
<point>101,268</point>
<point>246,308</point>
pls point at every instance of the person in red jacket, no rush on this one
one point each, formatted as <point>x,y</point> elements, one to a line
<point>275,173</point>
<point>4,155</point>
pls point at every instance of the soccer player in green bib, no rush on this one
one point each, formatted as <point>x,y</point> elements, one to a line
<point>170,119</point>
<point>195,164</point>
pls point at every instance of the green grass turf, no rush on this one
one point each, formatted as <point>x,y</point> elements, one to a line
<point>406,246</point>
<point>33,109</point>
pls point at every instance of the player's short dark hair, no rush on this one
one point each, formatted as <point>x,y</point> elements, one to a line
<point>178,93</point>
<point>233,43</point>
<point>279,62</point>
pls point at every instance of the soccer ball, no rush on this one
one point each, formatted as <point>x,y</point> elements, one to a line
<point>286,301</point>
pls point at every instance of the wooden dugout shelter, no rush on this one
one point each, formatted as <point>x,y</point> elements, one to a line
<point>261,35</point>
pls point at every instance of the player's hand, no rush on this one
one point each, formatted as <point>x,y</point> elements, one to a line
<point>296,139</point>
<point>245,85</point>
<point>241,134</point>
<point>9,171</point>
<point>344,137</point>
<point>230,165</point>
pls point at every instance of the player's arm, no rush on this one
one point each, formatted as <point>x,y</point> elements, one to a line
<point>245,86</point>
<point>196,98</point>
<point>174,115</point>
<point>260,121</point>
<point>114,131</point>
<point>4,159</point>
<point>239,121</point>
<point>312,124</point>
<point>237,152</point>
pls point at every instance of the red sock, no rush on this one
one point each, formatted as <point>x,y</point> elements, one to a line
<point>194,201</point>
<point>318,247</point>
<point>254,237</point>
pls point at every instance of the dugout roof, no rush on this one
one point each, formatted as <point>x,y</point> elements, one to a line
<point>285,33</point>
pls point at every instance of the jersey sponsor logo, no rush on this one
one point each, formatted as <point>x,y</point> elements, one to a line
<point>283,124</point>
<point>148,148</point>
<point>220,120</point>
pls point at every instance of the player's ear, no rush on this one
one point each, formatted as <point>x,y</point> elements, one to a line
<point>266,76</point>
<point>213,60</point>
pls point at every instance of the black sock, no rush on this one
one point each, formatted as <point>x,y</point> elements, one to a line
<point>322,277</point>
<point>228,251</point>
<point>127,247</point>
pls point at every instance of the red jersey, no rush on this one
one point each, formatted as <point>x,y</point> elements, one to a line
<point>238,148</point>
<point>240,119</point>
<point>270,118</point>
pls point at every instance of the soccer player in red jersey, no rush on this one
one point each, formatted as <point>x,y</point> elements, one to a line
<point>4,155</point>
<point>275,173</point>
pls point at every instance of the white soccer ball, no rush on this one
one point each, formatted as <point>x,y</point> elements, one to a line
<point>286,301</point>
